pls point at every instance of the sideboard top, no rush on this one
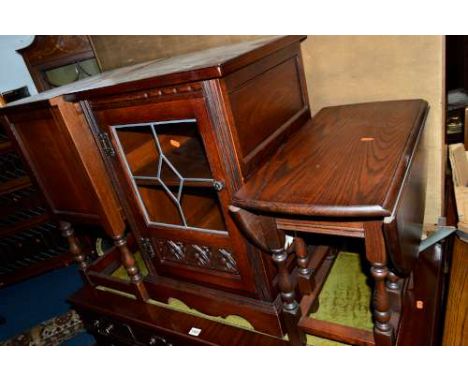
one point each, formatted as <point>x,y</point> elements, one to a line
<point>348,161</point>
<point>196,66</point>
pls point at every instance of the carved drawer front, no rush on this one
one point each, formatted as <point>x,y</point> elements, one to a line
<point>197,255</point>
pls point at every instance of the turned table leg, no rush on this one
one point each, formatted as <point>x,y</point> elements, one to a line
<point>377,257</point>
<point>263,233</point>
<point>394,290</point>
<point>291,309</point>
<point>73,243</point>
<point>305,278</point>
<point>131,266</point>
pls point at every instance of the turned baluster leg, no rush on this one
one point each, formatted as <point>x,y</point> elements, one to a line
<point>291,309</point>
<point>377,256</point>
<point>394,290</point>
<point>131,266</point>
<point>305,278</point>
<point>73,244</point>
<point>264,234</point>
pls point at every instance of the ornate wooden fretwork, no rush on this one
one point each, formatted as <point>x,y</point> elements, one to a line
<point>219,259</point>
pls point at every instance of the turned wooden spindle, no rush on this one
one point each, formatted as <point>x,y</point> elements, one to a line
<point>263,233</point>
<point>377,257</point>
<point>381,298</point>
<point>305,278</point>
<point>393,281</point>
<point>131,266</point>
<point>128,260</point>
<point>73,244</point>
<point>394,290</point>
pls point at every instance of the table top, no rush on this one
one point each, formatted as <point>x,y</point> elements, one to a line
<point>347,161</point>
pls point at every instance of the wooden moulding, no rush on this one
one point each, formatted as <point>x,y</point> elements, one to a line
<point>264,316</point>
<point>337,332</point>
<point>167,322</point>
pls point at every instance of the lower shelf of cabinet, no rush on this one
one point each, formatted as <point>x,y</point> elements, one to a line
<point>114,319</point>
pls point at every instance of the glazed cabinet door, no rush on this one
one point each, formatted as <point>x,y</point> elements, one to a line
<point>166,163</point>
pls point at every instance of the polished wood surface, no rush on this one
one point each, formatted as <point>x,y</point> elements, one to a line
<point>456,317</point>
<point>214,271</point>
<point>147,321</point>
<point>80,190</point>
<point>353,171</point>
<point>348,161</point>
<point>345,172</point>
<point>265,103</point>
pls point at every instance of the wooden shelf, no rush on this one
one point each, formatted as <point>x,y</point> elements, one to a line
<point>337,332</point>
<point>21,225</point>
<point>20,200</point>
<point>5,146</point>
<point>39,263</point>
<point>14,184</point>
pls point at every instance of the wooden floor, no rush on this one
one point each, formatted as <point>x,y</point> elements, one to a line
<point>456,319</point>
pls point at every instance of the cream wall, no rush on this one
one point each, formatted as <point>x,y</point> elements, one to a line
<point>348,69</point>
<point>339,70</point>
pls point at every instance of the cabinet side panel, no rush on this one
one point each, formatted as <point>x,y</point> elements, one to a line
<point>50,154</point>
<point>268,101</point>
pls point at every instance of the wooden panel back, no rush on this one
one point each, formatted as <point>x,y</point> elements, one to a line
<point>268,101</point>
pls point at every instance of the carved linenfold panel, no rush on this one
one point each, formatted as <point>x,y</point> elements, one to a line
<point>219,259</point>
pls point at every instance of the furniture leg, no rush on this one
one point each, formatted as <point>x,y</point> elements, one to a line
<point>377,257</point>
<point>305,279</point>
<point>291,309</point>
<point>130,265</point>
<point>394,289</point>
<point>262,232</point>
<point>73,243</point>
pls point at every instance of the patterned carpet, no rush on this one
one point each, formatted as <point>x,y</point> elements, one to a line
<point>51,332</point>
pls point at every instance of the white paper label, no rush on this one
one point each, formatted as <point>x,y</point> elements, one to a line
<point>288,241</point>
<point>194,332</point>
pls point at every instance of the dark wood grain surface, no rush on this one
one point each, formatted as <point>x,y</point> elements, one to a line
<point>348,161</point>
<point>167,322</point>
<point>206,64</point>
